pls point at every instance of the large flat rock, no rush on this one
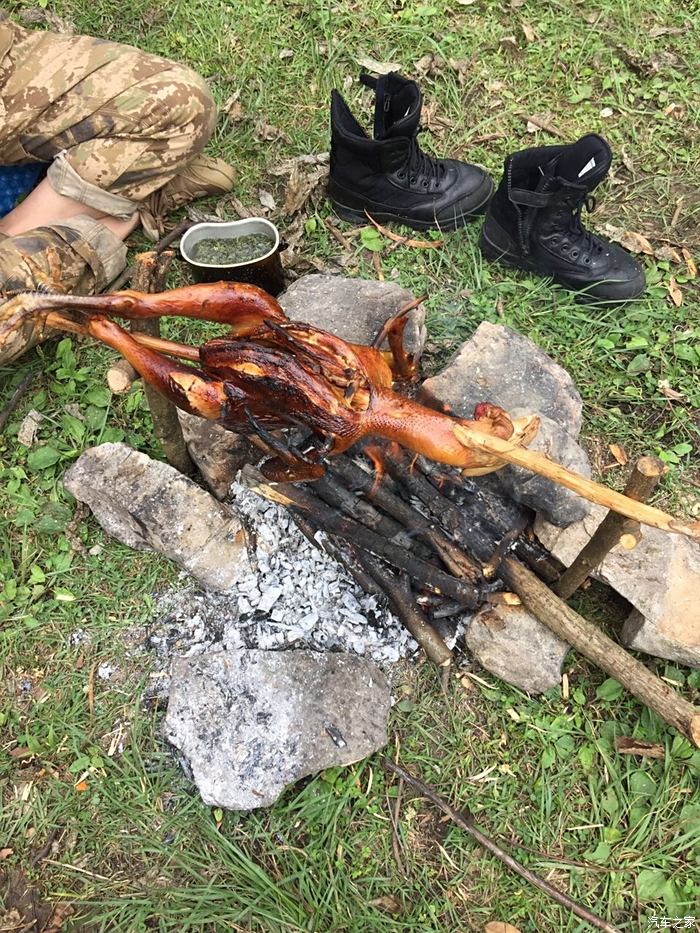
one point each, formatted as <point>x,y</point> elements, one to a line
<point>501,366</point>
<point>148,505</point>
<point>660,577</point>
<point>515,646</point>
<point>354,309</point>
<point>250,723</point>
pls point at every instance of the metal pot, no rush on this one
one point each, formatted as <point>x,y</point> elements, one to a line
<point>265,271</point>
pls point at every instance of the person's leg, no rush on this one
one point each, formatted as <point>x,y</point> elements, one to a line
<point>117,126</point>
<point>44,205</point>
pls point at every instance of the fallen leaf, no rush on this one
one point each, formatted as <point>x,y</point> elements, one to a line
<point>675,111</point>
<point>74,409</point>
<point>665,31</point>
<point>388,901</point>
<point>664,387</point>
<point>286,53</point>
<point>11,920</point>
<point>59,914</point>
<point>311,158</point>
<point>626,745</point>
<point>509,44</point>
<point>690,262</point>
<point>233,108</point>
<point>636,243</point>
<point>424,65</point>
<point>542,121</point>
<point>499,926</point>
<point>270,133</point>
<point>379,68</point>
<point>29,427</point>
<point>528,32</point>
<point>6,853</point>
<point>462,66</point>
<point>266,199</point>
<point>627,162</point>
<point>675,292</point>
<point>618,453</point>
<point>667,254</point>
<point>301,186</point>
<point>20,752</point>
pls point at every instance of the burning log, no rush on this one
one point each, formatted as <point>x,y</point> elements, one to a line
<point>302,500</point>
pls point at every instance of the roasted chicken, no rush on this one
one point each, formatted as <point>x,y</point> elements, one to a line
<point>270,373</point>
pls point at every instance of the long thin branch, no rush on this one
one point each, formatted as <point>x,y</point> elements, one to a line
<point>465,821</point>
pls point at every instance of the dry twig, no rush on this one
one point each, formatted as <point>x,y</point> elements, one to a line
<point>465,821</point>
<point>403,240</point>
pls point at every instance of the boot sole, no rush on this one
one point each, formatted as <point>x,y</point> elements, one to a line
<point>359,217</point>
<point>618,292</point>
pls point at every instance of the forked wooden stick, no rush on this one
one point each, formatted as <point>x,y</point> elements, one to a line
<point>594,492</point>
<point>613,530</point>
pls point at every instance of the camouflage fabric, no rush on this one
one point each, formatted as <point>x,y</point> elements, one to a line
<point>123,131</point>
<point>81,256</point>
<point>114,118</point>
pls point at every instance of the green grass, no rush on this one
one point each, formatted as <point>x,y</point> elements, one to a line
<point>136,850</point>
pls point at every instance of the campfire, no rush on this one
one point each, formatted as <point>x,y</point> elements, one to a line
<point>407,526</point>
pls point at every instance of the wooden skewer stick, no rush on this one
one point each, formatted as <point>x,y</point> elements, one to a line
<point>59,322</point>
<point>614,529</point>
<point>594,492</point>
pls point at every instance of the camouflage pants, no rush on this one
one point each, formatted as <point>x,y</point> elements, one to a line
<point>116,124</point>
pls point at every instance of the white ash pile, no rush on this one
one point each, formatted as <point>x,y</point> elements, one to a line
<point>293,596</point>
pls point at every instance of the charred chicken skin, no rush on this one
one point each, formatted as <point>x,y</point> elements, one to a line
<point>270,373</point>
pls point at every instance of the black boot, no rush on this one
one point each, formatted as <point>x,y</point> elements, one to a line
<point>534,221</point>
<point>390,176</point>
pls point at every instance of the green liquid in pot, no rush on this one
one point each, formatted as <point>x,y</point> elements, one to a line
<point>224,251</point>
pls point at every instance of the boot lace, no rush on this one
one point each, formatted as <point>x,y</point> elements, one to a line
<point>422,166</point>
<point>587,241</point>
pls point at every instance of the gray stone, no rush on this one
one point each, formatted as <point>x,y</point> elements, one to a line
<point>501,366</point>
<point>250,723</point>
<point>660,577</point>
<point>557,503</point>
<point>516,647</point>
<point>218,454</point>
<point>354,309</point>
<point>148,505</point>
